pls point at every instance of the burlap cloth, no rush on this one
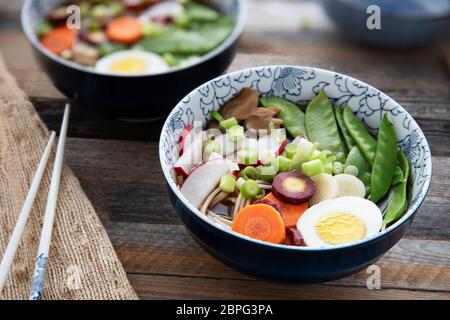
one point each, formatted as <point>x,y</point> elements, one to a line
<point>82,261</point>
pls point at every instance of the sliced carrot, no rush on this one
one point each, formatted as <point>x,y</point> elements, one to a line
<point>124,30</point>
<point>290,213</point>
<point>260,221</point>
<point>58,40</point>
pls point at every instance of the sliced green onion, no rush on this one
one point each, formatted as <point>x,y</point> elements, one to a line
<point>351,169</point>
<point>228,123</point>
<point>290,150</point>
<point>268,173</point>
<point>338,167</point>
<point>235,133</point>
<point>278,134</point>
<point>328,168</point>
<point>267,157</point>
<point>313,153</point>
<point>322,156</point>
<point>282,164</point>
<point>170,59</point>
<point>250,144</point>
<point>43,28</point>
<point>249,173</point>
<point>151,29</point>
<point>217,116</point>
<point>227,183</point>
<point>250,189</point>
<point>247,157</point>
<point>240,182</point>
<point>313,167</point>
<point>210,147</point>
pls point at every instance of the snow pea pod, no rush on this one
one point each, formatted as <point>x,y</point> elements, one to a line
<point>322,128</point>
<point>398,197</point>
<point>357,159</point>
<point>293,118</point>
<point>398,176</point>
<point>385,160</point>
<point>363,139</point>
<point>350,143</point>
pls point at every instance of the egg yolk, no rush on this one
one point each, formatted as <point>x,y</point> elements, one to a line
<point>129,65</point>
<point>341,228</point>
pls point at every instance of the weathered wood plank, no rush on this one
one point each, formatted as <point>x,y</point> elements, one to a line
<point>164,287</point>
<point>170,250</point>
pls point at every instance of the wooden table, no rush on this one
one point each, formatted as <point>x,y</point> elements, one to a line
<point>117,164</point>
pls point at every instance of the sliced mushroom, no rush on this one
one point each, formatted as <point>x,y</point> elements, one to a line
<point>242,105</point>
<point>262,117</point>
<point>85,54</point>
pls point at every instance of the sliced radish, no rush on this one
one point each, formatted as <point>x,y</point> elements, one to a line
<point>185,138</point>
<point>326,188</point>
<point>350,186</point>
<point>191,156</point>
<point>269,144</point>
<point>226,146</point>
<point>203,180</point>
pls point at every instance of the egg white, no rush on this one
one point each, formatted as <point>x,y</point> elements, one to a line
<point>364,209</point>
<point>155,63</point>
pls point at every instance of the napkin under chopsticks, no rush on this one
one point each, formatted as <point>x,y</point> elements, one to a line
<point>82,262</point>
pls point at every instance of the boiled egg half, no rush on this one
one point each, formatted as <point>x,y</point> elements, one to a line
<point>339,221</point>
<point>131,62</point>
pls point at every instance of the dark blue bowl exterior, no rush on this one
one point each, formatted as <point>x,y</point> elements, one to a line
<point>279,264</point>
<point>147,96</point>
<point>395,32</point>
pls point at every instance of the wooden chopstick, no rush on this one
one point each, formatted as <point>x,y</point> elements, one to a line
<point>16,236</point>
<point>46,233</point>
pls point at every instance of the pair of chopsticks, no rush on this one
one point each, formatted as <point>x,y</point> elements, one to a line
<point>46,233</point>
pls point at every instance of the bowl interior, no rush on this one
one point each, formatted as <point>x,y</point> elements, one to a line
<point>301,84</point>
<point>34,11</point>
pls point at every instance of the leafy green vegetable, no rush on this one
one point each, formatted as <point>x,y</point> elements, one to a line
<point>363,139</point>
<point>349,142</point>
<point>356,158</point>
<point>322,128</point>
<point>385,160</point>
<point>198,12</point>
<point>398,197</point>
<point>106,48</point>
<point>293,118</point>
<point>190,42</point>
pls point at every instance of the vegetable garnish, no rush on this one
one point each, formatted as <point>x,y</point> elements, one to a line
<point>293,187</point>
<point>58,40</point>
<point>289,212</point>
<point>124,30</point>
<point>282,180</point>
<point>260,221</point>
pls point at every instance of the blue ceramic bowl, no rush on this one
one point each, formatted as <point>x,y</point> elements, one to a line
<point>131,96</point>
<point>298,84</point>
<point>404,23</point>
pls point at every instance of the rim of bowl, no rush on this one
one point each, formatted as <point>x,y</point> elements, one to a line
<point>363,242</point>
<point>357,5</point>
<point>238,29</point>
